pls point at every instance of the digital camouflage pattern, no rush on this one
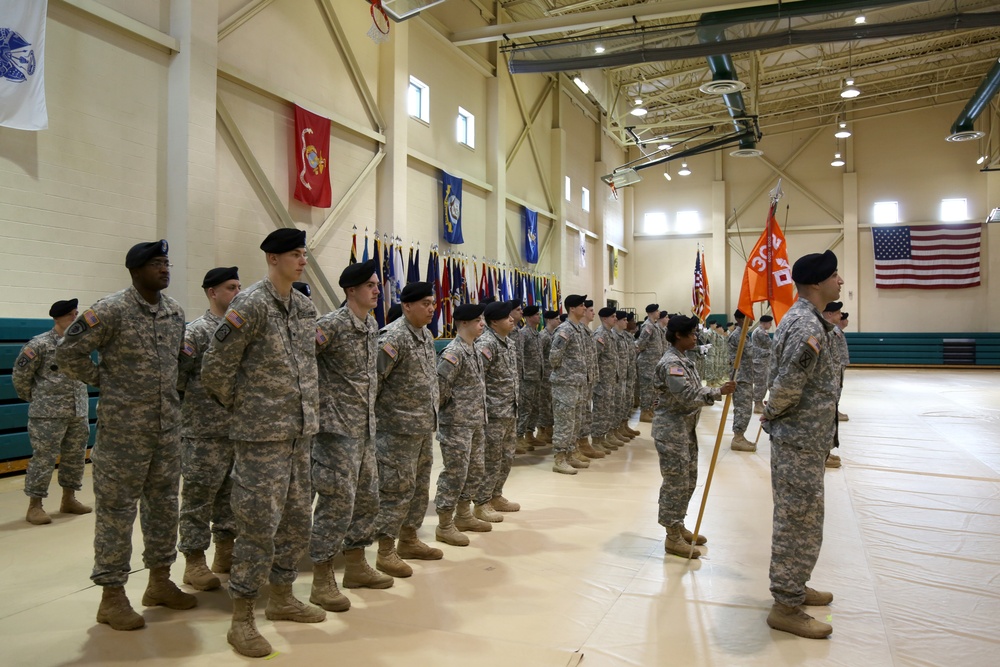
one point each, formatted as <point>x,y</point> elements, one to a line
<point>545,388</point>
<point>760,341</point>
<point>717,361</point>
<point>649,346</point>
<point>624,345</point>
<point>463,475</point>
<point>499,357</point>
<point>201,415</point>
<point>407,399</point>
<point>346,349</point>
<point>461,384</point>
<point>743,396</point>
<point>404,473</point>
<point>586,413</point>
<point>62,438</point>
<point>461,434</point>
<point>530,388</point>
<point>606,389</point>
<point>570,383</point>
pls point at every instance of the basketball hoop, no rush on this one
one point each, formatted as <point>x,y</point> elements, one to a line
<point>379,31</point>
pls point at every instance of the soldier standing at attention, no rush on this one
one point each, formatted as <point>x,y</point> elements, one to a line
<point>743,396</point>
<point>583,446</point>
<point>845,356</point>
<point>344,470</point>
<point>207,453</point>
<point>57,418</point>
<point>621,433</point>
<point>801,417</point>
<point>838,343</point>
<point>605,389</point>
<point>138,333</point>
<point>650,349</point>
<point>461,431</point>
<point>545,389</point>
<point>261,366</point>
<point>531,379</point>
<point>760,341</point>
<point>568,359</point>
<point>407,412</point>
<point>678,399</point>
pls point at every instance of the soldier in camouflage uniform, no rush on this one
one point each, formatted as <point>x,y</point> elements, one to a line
<point>57,418</point>
<point>530,344</point>
<point>845,355</point>
<point>678,400</point>
<point>760,341</point>
<point>801,417</point>
<point>583,446</point>
<point>461,430</point>
<point>620,434</point>
<point>838,343</point>
<point>605,389</point>
<point>551,318</point>
<point>261,365</point>
<point>344,470</point>
<point>499,356</point>
<point>407,413</point>
<point>631,375</point>
<point>570,381</point>
<point>743,396</point>
<point>137,333</point>
<point>649,346</point>
<point>717,362</point>
<point>207,453</point>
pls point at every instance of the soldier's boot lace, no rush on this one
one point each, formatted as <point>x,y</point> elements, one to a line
<point>447,532</point>
<point>70,505</point>
<point>485,512</point>
<point>466,521</point>
<point>243,635</point>
<point>561,464</point>
<point>388,560</point>
<point>688,535</point>
<point>676,544</point>
<point>282,605</point>
<point>223,560</point>
<point>196,572</point>
<point>797,622</point>
<point>116,610</point>
<point>410,546</point>
<point>36,515</point>
<point>359,574</point>
<point>741,444</point>
<point>324,589</point>
<point>816,598</point>
<point>161,591</point>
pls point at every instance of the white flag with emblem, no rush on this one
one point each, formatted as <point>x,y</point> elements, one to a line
<point>22,45</point>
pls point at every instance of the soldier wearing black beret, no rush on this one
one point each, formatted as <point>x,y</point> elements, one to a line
<point>529,344</point>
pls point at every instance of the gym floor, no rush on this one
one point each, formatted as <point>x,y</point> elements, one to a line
<point>578,576</point>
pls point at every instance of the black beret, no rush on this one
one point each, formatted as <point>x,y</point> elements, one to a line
<point>357,273</point>
<point>60,308</point>
<point>514,304</point>
<point>833,307</point>
<point>530,310</point>
<point>766,318</point>
<point>588,303</point>
<point>468,312</point>
<point>652,308</point>
<point>738,315</point>
<point>815,268</point>
<point>416,292</point>
<point>563,317</point>
<point>282,240</point>
<point>219,275</point>
<point>607,311</point>
<point>621,314</point>
<point>498,310</point>
<point>574,300</point>
<point>844,315</point>
<point>395,312</point>
<point>551,314</point>
<point>141,253</point>
<point>631,317</point>
<point>489,299</point>
<point>663,314</point>
<point>682,324</point>
<point>303,287</point>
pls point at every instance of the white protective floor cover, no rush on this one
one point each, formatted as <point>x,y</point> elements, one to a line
<point>911,553</point>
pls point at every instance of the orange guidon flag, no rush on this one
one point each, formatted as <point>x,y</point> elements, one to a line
<point>768,276</point>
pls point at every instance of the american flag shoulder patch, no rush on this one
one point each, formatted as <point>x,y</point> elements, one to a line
<point>91,318</point>
<point>563,334</point>
<point>600,339</point>
<point>235,318</point>
<point>676,370</point>
<point>449,357</point>
<point>390,350</point>
<point>29,353</point>
<point>813,342</point>
<point>188,348</point>
<point>320,336</point>
<point>487,352</point>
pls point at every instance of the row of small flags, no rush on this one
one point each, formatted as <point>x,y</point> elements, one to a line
<point>457,280</point>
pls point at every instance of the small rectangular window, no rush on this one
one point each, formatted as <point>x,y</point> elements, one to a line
<point>569,190</point>
<point>466,128</point>
<point>585,200</point>
<point>418,100</point>
<point>688,222</point>
<point>886,213</point>
<point>954,210</point>
<point>654,222</point>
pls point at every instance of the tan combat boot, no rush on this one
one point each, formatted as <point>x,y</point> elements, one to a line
<point>466,521</point>
<point>447,532</point>
<point>485,512</point>
<point>359,574</point>
<point>741,444</point>
<point>70,505</point>
<point>116,610</point>
<point>758,407</point>
<point>282,605</point>
<point>521,445</point>
<point>388,560</point>
<point>197,574</point>
<point>36,515</point>
<point>161,591</point>
<point>223,560</point>
<point>324,590</point>
<point>578,460</point>
<point>601,445</point>
<point>533,441</point>
<point>501,504</point>
<point>587,450</point>
<point>243,635</point>
<point>832,461</point>
<point>797,622</point>
<point>646,416</point>
<point>628,429</point>
<point>687,534</point>
<point>545,434</point>
<point>613,441</point>
<point>842,417</point>
<point>676,544</point>
<point>562,465</point>
<point>410,546</point>
<point>816,598</point>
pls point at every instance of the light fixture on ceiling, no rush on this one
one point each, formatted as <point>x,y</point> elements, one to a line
<point>666,173</point>
<point>850,91</point>
<point>684,171</point>
<point>837,161</point>
<point>598,49</point>
<point>842,131</point>
<point>581,84</point>
<point>638,111</point>
<point>859,19</point>
<point>637,101</point>
<point>982,159</point>
<point>664,147</point>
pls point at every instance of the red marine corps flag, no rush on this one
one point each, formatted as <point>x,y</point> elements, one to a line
<point>312,152</point>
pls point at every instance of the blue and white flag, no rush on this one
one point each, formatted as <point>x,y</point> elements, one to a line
<point>530,235</point>
<point>451,189</point>
<point>22,81</point>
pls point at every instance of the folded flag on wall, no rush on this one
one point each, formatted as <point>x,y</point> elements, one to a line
<point>22,80</point>
<point>451,189</point>
<point>530,235</point>
<point>927,257</point>
<point>312,154</point>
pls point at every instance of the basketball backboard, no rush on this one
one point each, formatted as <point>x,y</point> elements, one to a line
<point>400,10</point>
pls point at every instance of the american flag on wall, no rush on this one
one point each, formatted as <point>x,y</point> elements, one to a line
<point>927,257</point>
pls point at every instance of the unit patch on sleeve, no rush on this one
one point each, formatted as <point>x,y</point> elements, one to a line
<point>390,350</point>
<point>223,332</point>
<point>235,318</point>
<point>676,370</point>
<point>28,352</point>
<point>320,336</point>
<point>487,352</point>
<point>449,357</point>
<point>813,343</point>
<point>188,349</point>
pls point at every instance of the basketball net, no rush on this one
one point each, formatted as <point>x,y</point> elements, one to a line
<point>379,32</point>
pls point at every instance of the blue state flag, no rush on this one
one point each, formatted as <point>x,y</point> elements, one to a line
<point>530,235</point>
<point>451,189</point>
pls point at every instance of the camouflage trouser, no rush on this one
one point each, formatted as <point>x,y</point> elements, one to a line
<point>463,451</point>
<point>207,466</point>
<point>545,404</point>
<point>797,488</point>
<point>345,479</point>
<point>527,407</point>
<point>742,405</point>
<point>51,438</point>
<point>272,503</point>
<point>499,457</point>
<point>604,408</point>
<point>404,474</point>
<point>567,408</point>
<point>632,388</point>
<point>646,371</point>
<point>134,468</point>
<point>679,470</point>
<point>586,414</point>
<point>759,379</point>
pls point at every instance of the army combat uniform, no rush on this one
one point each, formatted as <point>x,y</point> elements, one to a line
<point>760,341</point>
<point>545,387</point>
<point>649,346</point>
<point>57,416</point>
<point>570,384</point>
<point>530,388</point>
<point>605,392</point>
<point>743,396</point>
<point>499,356</point>
<point>461,431</point>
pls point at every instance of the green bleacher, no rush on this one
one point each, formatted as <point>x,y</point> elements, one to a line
<point>924,349</point>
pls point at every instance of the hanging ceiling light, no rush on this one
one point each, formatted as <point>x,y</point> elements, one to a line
<point>637,101</point>
<point>598,49</point>
<point>842,131</point>
<point>638,111</point>
<point>982,159</point>
<point>684,171</point>
<point>850,91</point>
<point>837,161</point>
<point>664,147</point>
<point>859,19</point>
<point>581,85</point>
